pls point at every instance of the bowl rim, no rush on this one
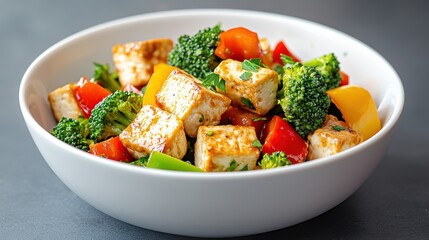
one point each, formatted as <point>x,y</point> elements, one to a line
<point>34,125</point>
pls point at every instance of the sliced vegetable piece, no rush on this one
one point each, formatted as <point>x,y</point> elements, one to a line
<point>111,148</point>
<point>160,74</point>
<point>239,44</point>
<point>280,136</point>
<point>238,116</point>
<point>160,160</point>
<point>88,94</point>
<point>282,49</point>
<point>358,109</point>
<point>344,78</point>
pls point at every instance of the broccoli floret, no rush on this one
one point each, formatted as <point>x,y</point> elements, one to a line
<point>74,132</point>
<point>112,115</point>
<point>106,79</point>
<point>276,159</point>
<point>303,98</point>
<point>141,162</point>
<point>195,54</point>
<point>329,66</point>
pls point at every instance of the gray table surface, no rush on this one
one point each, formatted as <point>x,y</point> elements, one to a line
<point>392,204</point>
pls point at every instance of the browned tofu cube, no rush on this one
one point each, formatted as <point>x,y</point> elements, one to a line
<point>256,94</point>
<point>182,95</point>
<point>63,103</point>
<point>333,137</point>
<point>226,148</point>
<point>134,61</point>
<point>154,129</point>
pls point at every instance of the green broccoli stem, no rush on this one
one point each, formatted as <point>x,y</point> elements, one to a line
<point>126,113</point>
<point>114,129</point>
<point>124,119</point>
<point>314,63</point>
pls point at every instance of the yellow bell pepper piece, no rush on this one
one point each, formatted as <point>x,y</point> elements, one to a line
<point>160,74</point>
<point>358,109</point>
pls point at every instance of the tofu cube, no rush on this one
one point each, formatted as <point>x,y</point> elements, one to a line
<point>154,129</point>
<point>184,96</point>
<point>333,137</point>
<point>218,148</point>
<point>257,94</point>
<point>63,103</point>
<point>134,61</point>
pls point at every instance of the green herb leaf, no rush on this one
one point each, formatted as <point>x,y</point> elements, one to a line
<point>245,168</point>
<point>212,78</point>
<point>246,76</point>
<point>250,66</point>
<point>259,119</point>
<point>213,81</point>
<point>210,133</point>
<point>201,118</point>
<point>257,61</point>
<point>222,85</point>
<point>338,128</point>
<point>98,71</point>
<point>279,69</point>
<point>257,144</point>
<point>287,61</point>
<point>232,165</point>
<point>248,103</point>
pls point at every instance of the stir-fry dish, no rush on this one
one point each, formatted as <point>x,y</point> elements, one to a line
<point>216,101</point>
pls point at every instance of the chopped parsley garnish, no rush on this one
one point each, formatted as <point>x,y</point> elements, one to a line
<point>259,119</point>
<point>256,61</point>
<point>246,76</point>
<point>201,118</point>
<point>338,128</point>
<point>247,102</point>
<point>222,85</point>
<point>213,81</point>
<point>287,61</point>
<point>257,144</point>
<point>232,165</point>
<point>279,69</point>
<point>210,133</point>
<point>245,168</point>
<point>251,65</point>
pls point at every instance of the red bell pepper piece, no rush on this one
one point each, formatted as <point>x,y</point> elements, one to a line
<point>282,49</point>
<point>344,78</point>
<point>239,44</point>
<point>88,94</point>
<point>280,136</point>
<point>237,116</point>
<point>111,148</point>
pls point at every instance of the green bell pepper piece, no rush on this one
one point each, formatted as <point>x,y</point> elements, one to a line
<point>160,160</point>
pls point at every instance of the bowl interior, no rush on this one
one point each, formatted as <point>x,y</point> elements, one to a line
<point>73,57</point>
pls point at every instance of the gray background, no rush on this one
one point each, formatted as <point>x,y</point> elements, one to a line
<point>392,204</point>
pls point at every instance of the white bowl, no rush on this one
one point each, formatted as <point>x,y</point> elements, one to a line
<point>203,204</point>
